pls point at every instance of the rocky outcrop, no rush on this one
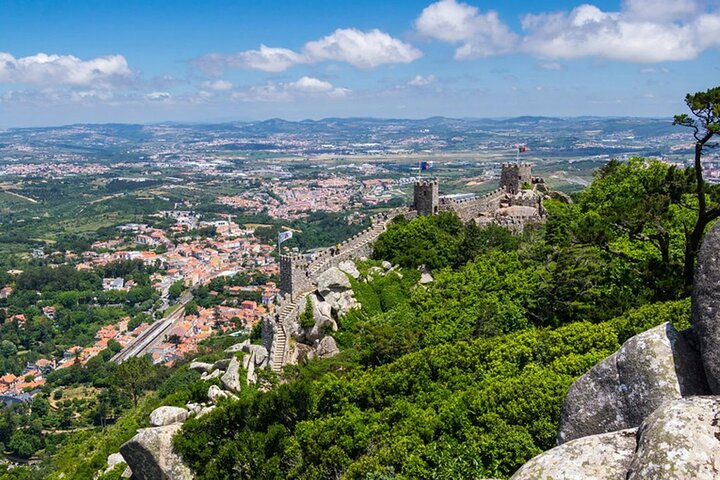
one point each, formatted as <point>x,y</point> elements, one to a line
<point>706,306</point>
<point>655,381</point>
<point>150,455</point>
<point>168,415</point>
<point>622,390</point>
<point>216,393</point>
<point>201,367</point>
<point>260,352</point>
<point>231,378</point>
<point>349,267</point>
<point>209,376</point>
<point>222,364</point>
<point>327,348</point>
<point>332,279</point>
<point>679,441</point>
<point>238,347</point>
<point>598,457</point>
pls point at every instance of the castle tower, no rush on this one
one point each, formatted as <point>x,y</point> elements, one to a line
<point>426,197</point>
<point>293,274</point>
<point>514,175</point>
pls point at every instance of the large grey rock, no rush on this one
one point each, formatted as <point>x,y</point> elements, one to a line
<point>386,265</point>
<point>201,367</point>
<point>349,268</point>
<point>622,390</point>
<point>341,302</point>
<point>332,279</point>
<point>322,310</point>
<point>167,416</point>
<point>327,348</point>
<point>214,374</point>
<point>598,457</point>
<point>251,377</point>
<point>261,353</point>
<point>679,441</point>
<point>215,394</point>
<point>222,364</point>
<point>706,306</point>
<point>150,455</point>
<point>320,329</point>
<point>231,377</point>
<point>346,302</point>
<point>237,347</point>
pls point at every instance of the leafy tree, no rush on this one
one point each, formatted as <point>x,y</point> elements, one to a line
<point>114,346</point>
<point>705,108</point>
<point>7,348</point>
<point>191,308</point>
<point>176,289</point>
<point>307,318</point>
<point>433,241</point>
<point>24,444</point>
<point>134,376</point>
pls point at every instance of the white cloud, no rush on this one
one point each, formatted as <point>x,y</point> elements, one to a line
<point>478,34</point>
<point>158,96</point>
<point>642,31</point>
<point>266,59</point>
<point>217,85</point>
<point>669,33</point>
<point>43,69</point>
<point>422,81</point>
<point>284,92</point>
<point>661,10</point>
<point>313,85</point>
<point>361,49</point>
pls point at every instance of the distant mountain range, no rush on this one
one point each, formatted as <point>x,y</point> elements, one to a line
<point>353,135</point>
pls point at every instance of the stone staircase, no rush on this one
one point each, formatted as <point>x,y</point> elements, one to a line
<point>278,349</point>
<point>280,340</point>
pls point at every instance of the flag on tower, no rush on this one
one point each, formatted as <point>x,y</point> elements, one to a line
<point>285,235</point>
<point>425,166</point>
<point>522,149</point>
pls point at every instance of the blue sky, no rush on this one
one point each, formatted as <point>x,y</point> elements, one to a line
<point>66,61</point>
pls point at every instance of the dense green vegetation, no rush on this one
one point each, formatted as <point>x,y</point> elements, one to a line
<point>465,377</point>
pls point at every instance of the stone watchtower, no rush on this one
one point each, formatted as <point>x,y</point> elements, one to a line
<point>514,175</point>
<point>427,197</point>
<point>294,277</point>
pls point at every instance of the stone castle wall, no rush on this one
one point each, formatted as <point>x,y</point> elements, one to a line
<point>298,272</point>
<point>514,175</point>
<point>473,207</point>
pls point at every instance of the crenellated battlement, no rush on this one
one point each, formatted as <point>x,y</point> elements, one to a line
<point>514,175</point>
<point>426,197</point>
<point>299,272</point>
